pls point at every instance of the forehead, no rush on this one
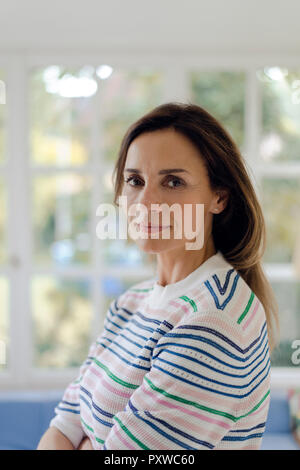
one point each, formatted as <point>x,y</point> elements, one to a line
<point>164,147</point>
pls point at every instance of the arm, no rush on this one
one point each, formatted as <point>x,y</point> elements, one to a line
<point>190,397</point>
<point>67,420</point>
<point>53,439</point>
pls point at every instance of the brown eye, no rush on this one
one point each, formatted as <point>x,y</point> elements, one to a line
<point>175,180</point>
<point>130,179</point>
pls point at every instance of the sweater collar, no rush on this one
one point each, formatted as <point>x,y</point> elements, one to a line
<point>163,294</point>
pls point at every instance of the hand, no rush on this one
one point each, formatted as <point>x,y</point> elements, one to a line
<point>85,444</point>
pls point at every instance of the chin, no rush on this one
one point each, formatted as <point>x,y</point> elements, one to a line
<point>155,246</point>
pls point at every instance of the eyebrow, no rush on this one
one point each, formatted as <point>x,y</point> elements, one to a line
<point>161,172</point>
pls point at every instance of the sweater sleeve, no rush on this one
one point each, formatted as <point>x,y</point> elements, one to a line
<point>67,411</point>
<point>190,396</point>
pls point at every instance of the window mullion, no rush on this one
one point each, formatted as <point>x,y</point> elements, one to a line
<point>19,242</point>
<point>97,267</point>
<point>253,126</point>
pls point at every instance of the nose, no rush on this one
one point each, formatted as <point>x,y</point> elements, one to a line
<point>148,203</point>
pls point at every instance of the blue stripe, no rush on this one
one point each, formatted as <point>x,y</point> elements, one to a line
<point>163,433</point>
<point>154,320</point>
<point>69,403</point>
<point>202,339</point>
<point>132,354</point>
<point>178,431</point>
<point>105,423</point>
<point>142,327</point>
<point>204,352</point>
<point>114,342</point>
<point>233,288</point>
<point>192,372</point>
<point>241,438</point>
<point>211,389</point>
<point>213,332</point>
<point>223,289</point>
<point>219,335</point>
<point>261,425</point>
<point>97,408</point>
<point>208,341</point>
<point>128,362</point>
<point>169,351</point>
<point>67,409</point>
<point>117,315</point>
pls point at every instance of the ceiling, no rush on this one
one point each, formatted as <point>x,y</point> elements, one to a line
<point>222,26</point>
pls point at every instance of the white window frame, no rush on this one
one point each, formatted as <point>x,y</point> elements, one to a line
<point>18,173</point>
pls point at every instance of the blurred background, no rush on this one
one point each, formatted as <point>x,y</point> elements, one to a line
<point>73,77</point>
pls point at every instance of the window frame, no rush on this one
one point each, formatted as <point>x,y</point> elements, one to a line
<point>18,175</point>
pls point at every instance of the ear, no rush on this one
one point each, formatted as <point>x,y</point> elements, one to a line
<point>222,197</point>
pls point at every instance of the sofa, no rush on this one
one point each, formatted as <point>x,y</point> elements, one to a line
<point>25,416</point>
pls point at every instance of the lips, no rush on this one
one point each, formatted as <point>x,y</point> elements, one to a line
<point>152,228</point>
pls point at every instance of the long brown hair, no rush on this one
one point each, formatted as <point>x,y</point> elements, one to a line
<point>239,231</point>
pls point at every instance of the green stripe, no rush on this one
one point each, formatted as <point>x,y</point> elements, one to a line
<point>114,377</point>
<point>247,308</point>
<point>130,434</point>
<point>184,297</point>
<point>202,407</point>
<point>188,402</point>
<point>92,430</point>
<point>141,290</point>
<point>256,406</point>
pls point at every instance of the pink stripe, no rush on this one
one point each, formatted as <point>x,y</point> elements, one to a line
<point>117,433</point>
<point>240,301</point>
<point>184,410</point>
<point>137,295</point>
<point>148,438</point>
<point>199,395</point>
<point>108,386</point>
<point>183,307</point>
<point>71,386</point>
<point>251,316</point>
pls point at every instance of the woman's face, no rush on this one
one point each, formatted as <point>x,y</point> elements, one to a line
<point>150,178</point>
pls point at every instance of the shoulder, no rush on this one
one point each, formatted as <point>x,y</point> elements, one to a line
<point>135,294</point>
<point>223,297</point>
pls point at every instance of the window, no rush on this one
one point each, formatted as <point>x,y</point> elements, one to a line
<point>58,279</point>
<point>279,151</point>
<point>66,176</point>
<point>4,281</point>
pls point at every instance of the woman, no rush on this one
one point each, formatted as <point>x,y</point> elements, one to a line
<point>183,361</point>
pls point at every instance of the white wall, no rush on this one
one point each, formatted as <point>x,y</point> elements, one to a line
<point>223,26</point>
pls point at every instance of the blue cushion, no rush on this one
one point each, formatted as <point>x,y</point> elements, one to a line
<point>279,416</point>
<point>25,416</point>
<point>279,441</point>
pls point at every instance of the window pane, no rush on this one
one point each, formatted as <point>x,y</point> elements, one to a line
<point>2,116</point>
<point>61,207</point>
<point>280,201</point>
<point>288,298</point>
<point>3,248</point>
<point>62,315</point>
<point>4,327</point>
<point>221,93</point>
<point>118,251</point>
<point>125,97</point>
<point>280,136</point>
<point>61,115</point>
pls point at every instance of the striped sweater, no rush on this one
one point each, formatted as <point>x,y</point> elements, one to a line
<point>182,366</point>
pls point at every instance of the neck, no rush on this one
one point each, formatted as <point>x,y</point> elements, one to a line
<point>175,265</point>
